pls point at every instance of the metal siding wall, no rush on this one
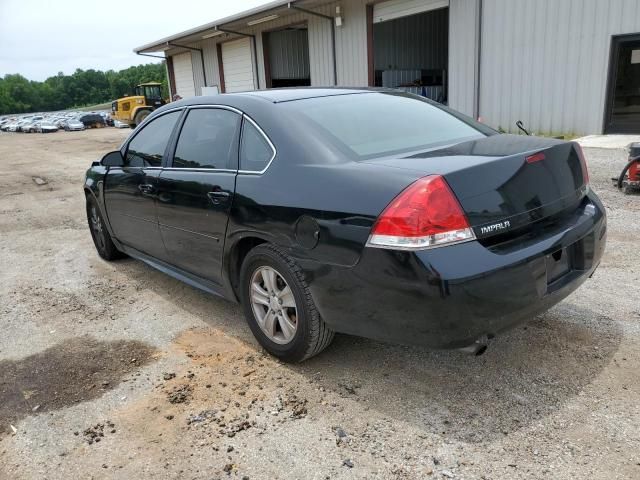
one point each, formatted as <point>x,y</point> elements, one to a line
<point>211,62</point>
<point>398,42</point>
<point>546,62</point>
<point>196,63</point>
<point>289,54</point>
<point>351,45</point>
<point>462,55</point>
<point>320,55</point>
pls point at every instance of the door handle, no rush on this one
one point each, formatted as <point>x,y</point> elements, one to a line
<point>146,188</point>
<point>218,197</point>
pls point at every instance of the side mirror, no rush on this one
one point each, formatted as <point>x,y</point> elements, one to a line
<point>112,159</point>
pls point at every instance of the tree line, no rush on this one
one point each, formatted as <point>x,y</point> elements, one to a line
<point>82,88</point>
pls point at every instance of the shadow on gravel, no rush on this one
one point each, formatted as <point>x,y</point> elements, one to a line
<point>74,371</point>
<point>526,374</point>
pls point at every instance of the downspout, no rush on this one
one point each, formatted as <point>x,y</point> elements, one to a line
<point>333,34</point>
<point>204,72</point>
<point>255,50</point>
<point>476,107</point>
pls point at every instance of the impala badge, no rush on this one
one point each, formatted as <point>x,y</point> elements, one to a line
<point>495,227</point>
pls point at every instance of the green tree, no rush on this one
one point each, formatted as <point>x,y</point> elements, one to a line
<point>82,87</point>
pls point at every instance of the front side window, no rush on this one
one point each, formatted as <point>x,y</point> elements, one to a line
<point>148,146</point>
<point>255,150</point>
<point>207,140</point>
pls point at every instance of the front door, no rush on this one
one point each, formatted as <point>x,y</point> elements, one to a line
<point>196,189</point>
<point>623,109</point>
<point>130,191</point>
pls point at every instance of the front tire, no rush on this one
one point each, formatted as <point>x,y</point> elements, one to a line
<point>278,306</point>
<point>99,233</point>
<point>140,116</point>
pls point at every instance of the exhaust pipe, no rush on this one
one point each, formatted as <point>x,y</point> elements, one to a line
<point>478,347</point>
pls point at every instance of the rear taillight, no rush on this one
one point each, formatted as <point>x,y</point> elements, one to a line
<point>426,214</point>
<point>583,163</point>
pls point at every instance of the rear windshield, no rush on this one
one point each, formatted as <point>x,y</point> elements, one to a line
<point>380,124</point>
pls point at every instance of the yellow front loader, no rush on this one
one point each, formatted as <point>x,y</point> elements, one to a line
<point>134,109</point>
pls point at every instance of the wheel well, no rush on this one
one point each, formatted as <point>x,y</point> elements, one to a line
<point>238,254</point>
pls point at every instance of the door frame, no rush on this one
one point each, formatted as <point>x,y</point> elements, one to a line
<point>612,73</point>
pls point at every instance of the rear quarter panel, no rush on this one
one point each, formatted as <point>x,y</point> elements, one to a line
<point>335,204</point>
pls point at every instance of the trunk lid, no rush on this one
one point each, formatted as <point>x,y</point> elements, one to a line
<point>501,192</point>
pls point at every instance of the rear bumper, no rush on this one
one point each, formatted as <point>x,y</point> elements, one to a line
<point>449,297</point>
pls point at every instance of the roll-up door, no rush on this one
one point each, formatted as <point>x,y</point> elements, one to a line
<point>238,66</point>
<point>402,8</point>
<point>183,73</point>
<point>288,54</point>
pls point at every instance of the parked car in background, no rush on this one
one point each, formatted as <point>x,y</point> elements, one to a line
<point>401,220</point>
<point>92,120</point>
<point>44,126</point>
<point>73,125</point>
<point>28,126</point>
<point>12,126</point>
<point>6,124</point>
<point>108,120</point>
<point>23,126</point>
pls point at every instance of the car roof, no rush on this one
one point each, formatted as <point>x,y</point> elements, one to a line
<point>278,95</point>
<point>291,94</point>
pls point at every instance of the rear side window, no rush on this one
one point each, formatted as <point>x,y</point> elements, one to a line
<point>148,146</point>
<point>255,150</point>
<point>380,124</point>
<point>207,140</point>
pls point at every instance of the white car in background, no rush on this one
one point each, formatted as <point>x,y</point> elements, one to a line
<point>73,125</point>
<point>44,126</point>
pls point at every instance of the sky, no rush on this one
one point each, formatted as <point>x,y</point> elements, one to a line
<point>39,38</point>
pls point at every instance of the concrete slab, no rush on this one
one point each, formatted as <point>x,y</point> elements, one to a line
<point>607,141</point>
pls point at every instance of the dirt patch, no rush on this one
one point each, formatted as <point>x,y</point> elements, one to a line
<point>77,370</point>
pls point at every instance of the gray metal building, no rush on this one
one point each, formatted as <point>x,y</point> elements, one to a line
<point>560,66</point>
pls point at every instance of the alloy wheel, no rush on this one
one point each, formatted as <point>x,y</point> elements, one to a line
<point>273,305</point>
<point>97,228</point>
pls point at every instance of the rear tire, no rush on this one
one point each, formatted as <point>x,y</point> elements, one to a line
<point>99,233</point>
<point>274,292</point>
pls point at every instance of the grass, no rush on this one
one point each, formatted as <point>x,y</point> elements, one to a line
<point>93,108</point>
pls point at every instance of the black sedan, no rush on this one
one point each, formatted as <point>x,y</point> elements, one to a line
<point>368,212</point>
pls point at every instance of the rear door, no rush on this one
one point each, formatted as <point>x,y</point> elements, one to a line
<point>196,189</point>
<point>130,191</point>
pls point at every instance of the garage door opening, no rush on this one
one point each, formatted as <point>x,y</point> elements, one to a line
<point>287,57</point>
<point>623,105</point>
<point>411,47</point>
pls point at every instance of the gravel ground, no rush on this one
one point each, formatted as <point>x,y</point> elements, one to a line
<point>114,370</point>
